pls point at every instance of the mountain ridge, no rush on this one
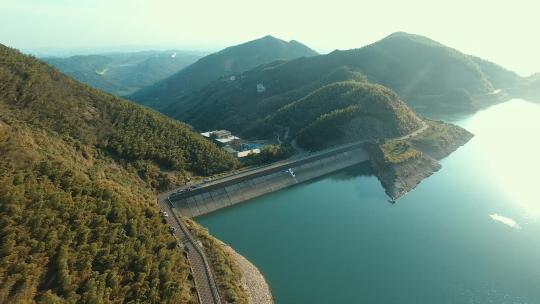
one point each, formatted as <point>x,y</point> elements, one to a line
<point>237,58</point>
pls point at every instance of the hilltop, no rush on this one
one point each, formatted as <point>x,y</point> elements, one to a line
<point>234,59</point>
<point>78,176</point>
<point>123,73</point>
<point>343,112</point>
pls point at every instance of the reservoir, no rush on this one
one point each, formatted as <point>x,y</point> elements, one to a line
<point>468,234</point>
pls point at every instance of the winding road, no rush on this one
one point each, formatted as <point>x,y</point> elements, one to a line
<point>203,277</point>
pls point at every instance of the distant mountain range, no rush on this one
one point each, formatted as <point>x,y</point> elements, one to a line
<point>79,169</point>
<point>234,59</point>
<point>124,73</point>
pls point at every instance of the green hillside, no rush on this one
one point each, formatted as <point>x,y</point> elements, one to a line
<point>238,106</point>
<point>238,58</point>
<point>335,113</point>
<point>123,73</point>
<point>78,176</point>
<point>346,111</point>
<point>427,75</point>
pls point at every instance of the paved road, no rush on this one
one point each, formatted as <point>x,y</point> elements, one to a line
<point>200,268</point>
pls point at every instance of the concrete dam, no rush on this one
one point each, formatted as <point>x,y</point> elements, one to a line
<point>246,185</point>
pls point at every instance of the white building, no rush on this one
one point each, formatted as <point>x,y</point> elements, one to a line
<point>221,136</point>
<point>260,88</point>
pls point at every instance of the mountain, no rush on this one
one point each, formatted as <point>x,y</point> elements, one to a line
<point>234,59</point>
<point>430,76</point>
<point>427,75</point>
<point>344,112</point>
<point>124,73</point>
<point>78,178</point>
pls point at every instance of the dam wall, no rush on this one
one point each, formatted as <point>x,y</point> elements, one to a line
<point>234,190</point>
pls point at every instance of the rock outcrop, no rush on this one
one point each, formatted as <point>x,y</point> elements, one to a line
<point>401,165</point>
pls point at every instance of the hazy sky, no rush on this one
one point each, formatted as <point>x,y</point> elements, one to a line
<point>507,32</point>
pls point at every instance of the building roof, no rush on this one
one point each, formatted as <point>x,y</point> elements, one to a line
<point>227,139</point>
<point>217,133</point>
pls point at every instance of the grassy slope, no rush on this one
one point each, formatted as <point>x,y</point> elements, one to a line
<point>78,175</point>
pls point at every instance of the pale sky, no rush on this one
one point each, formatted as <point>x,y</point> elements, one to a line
<point>506,32</point>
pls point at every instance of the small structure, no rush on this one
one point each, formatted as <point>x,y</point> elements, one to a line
<point>248,152</point>
<point>221,137</point>
<point>232,78</point>
<point>260,88</point>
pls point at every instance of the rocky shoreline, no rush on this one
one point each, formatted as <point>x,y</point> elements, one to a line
<point>398,179</point>
<point>401,165</point>
<point>253,282</point>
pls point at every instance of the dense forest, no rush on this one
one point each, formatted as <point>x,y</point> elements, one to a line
<point>78,177</point>
<point>45,98</point>
<point>344,112</point>
<point>234,59</point>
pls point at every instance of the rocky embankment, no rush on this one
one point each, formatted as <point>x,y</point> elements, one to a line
<point>253,282</point>
<point>401,165</point>
<point>238,280</point>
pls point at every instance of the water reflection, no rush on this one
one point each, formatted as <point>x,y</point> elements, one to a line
<point>508,147</point>
<point>362,169</point>
<point>505,220</point>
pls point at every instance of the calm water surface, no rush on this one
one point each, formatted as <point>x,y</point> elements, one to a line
<point>468,234</point>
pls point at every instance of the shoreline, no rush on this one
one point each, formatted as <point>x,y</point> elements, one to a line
<point>253,281</point>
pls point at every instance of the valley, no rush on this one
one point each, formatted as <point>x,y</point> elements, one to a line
<point>124,73</point>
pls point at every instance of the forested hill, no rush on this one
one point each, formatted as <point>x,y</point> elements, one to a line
<point>43,97</point>
<point>344,112</point>
<point>319,109</point>
<point>238,58</point>
<point>427,75</point>
<point>78,175</point>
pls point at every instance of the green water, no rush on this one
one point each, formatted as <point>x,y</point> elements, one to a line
<point>468,234</point>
